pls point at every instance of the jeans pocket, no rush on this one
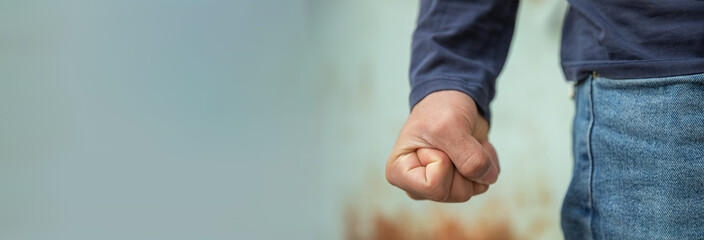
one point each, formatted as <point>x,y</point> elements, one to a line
<point>647,146</point>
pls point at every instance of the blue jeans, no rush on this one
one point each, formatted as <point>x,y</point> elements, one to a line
<point>638,149</point>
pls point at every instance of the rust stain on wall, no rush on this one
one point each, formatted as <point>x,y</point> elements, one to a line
<point>385,228</point>
<point>527,213</point>
<point>438,225</point>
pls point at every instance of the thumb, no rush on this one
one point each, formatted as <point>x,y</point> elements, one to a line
<point>425,173</point>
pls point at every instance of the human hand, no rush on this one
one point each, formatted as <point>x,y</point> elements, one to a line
<point>443,152</point>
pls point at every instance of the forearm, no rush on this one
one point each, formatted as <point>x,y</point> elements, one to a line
<point>461,45</point>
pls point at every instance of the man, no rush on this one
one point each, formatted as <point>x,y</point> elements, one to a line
<point>638,132</point>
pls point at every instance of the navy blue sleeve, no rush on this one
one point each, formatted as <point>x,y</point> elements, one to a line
<point>461,45</point>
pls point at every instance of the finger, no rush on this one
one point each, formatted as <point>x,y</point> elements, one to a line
<point>438,171</point>
<point>479,188</point>
<point>492,153</point>
<point>414,197</point>
<point>437,165</point>
<point>428,179</point>
<point>471,159</point>
<point>462,189</point>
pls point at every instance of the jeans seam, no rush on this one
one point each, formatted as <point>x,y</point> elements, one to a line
<point>591,156</point>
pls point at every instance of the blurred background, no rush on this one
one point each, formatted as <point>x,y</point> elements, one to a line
<point>253,119</point>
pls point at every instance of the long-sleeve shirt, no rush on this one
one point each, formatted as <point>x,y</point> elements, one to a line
<point>462,44</point>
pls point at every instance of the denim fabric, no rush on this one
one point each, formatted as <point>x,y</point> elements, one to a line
<point>638,160</point>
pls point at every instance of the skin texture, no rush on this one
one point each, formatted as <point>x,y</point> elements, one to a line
<point>443,152</point>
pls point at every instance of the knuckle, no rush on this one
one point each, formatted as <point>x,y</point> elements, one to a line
<point>475,166</point>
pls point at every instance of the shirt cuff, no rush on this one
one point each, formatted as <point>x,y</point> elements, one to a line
<point>475,91</point>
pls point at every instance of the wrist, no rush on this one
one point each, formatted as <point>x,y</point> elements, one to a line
<point>450,100</point>
<point>455,105</point>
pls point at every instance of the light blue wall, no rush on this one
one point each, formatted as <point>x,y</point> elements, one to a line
<point>248,119</point>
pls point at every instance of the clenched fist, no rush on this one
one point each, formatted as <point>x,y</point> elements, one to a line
<point>443,151</point>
